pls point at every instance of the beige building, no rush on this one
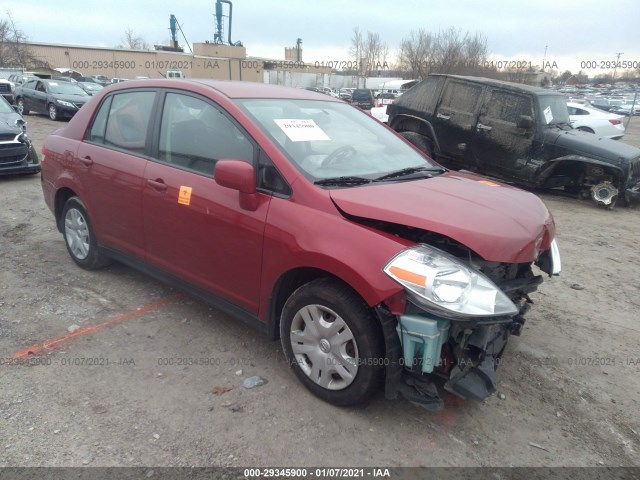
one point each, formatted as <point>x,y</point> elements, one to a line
<point>209,60</point>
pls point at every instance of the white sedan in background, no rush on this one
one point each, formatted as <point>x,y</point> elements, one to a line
<point>380,113</point>
<point>594,120</point>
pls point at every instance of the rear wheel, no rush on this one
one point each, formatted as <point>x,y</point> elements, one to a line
<point>419,141</point>
<point>332,342</point>
<point>79,237</point>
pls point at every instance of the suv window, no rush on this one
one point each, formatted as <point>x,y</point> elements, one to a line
<point>194,134</point>
<point>461,97</point>
<point>127,121</point>
<point>508,107</point>
<point>362,94</point>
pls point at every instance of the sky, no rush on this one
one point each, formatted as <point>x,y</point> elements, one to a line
<point>573,33</point>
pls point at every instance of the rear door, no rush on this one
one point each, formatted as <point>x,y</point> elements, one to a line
<point>194,228</point>
<point>455,119</point>
<point>500,147</point>
<point>110,165</point>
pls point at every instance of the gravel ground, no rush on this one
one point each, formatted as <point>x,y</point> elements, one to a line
<point>152,378</point>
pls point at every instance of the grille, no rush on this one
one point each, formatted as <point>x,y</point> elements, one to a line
<point>11,160</point>
<point>5,88</point>
<point>8,137</point>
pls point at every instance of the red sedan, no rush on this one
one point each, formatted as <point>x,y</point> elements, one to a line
<point>303,215</point>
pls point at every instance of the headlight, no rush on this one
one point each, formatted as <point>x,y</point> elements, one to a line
<point>442,283</point>
<point>66,104</point>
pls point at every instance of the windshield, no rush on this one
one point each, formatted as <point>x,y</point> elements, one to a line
<point>66,88</point>
<point>329,139</point>
<point>5,107</point>
<point>553,109</point>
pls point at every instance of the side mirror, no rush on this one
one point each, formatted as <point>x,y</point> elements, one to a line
<point>525,121</point>
<point>238,175</point>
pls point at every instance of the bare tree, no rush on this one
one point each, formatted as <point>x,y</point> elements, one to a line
<point>356,49</point>
<point>415,53</point>
<point>14,51</point>
<point>448,51</point>
<point>132,41</point>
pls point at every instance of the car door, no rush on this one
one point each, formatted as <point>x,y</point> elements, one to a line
<point>455,119</point>
<point>110,165</point>
<point>194,228</point>
<point>28,94</point>
<point>39,99</point>
<point>502,145</point>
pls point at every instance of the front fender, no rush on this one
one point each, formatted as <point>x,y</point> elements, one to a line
<point>413,123</point>
<point>298,237</point>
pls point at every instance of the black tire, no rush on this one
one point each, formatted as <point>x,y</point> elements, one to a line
<point>419,141</point>
<point>79,236</point>
<point>53,112</point>
<point>346,313</point>
<point>585,129</point>
<point>21,109</point>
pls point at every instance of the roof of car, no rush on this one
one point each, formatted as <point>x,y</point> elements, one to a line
<point>503,84</point>
<point>235,89</point>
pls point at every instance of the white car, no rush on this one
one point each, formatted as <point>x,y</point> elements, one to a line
<point>380,113</point>
<point>593,120</point>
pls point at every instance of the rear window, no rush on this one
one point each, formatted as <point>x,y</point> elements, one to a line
<point>362,94</point>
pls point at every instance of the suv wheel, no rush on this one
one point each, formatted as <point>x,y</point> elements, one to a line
<point>332,342</point>
<point>79,237</point>
<point>419,141</point>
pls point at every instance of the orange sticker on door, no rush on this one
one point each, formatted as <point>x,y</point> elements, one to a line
<point>184,195</point>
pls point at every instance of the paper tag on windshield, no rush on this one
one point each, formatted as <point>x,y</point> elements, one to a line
<point>301,130</point>
<point>548,116</point>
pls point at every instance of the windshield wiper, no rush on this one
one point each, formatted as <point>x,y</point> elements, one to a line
<point>343,181</point>
<point>410,171</point>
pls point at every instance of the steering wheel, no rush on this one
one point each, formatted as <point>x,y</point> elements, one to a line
<point>339,155</point>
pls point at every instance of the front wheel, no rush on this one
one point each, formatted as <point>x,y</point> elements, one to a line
<point>419,141</point>
<point>79,237</point>
<point>332,342</point>
<point>53,112</point>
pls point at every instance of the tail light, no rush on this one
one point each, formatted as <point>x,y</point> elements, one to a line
<point>44,153</point>
<point>615,122</point>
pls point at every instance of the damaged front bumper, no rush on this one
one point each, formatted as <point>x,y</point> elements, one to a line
<point>466,357</point>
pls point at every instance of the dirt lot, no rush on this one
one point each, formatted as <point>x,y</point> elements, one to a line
<point>116,392</point>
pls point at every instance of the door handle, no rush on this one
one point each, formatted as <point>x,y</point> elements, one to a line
<point>86,160</point>
<point>486,128</point>
<point>157,184</point>
<point>442,116</point>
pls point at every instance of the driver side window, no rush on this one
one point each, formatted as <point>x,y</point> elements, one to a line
<point>194,135</point>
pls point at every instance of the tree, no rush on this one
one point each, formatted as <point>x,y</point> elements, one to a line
<point>132,41</point>
<point>356,48</point>
<point>415,53</point>
<point>14,51</point>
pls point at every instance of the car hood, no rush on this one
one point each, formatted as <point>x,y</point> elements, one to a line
<point>498,222</point>
<point>589,145</point>
<point>8,123</point>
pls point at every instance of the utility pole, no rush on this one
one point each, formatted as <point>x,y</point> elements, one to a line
<point>544,59</point>
<point>615,67</point>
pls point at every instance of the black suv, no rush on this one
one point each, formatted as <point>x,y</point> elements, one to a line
<point>363,98</point>
<point>514,132</point>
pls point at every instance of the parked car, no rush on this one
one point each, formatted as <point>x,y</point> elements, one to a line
<point>593,120</point>
<point>516,133</point>
<point>385,99</point>
<point>363,98</point>
<point>7,91</point>
<point>626,110</point>
<point>65,79</point>
<point>17,154</point>
<point>90,87</point>
<point>118,80</point>
<point>57,99</point>
<point>304,216</point>
<point>101,79</point>
<point>606,103</point>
